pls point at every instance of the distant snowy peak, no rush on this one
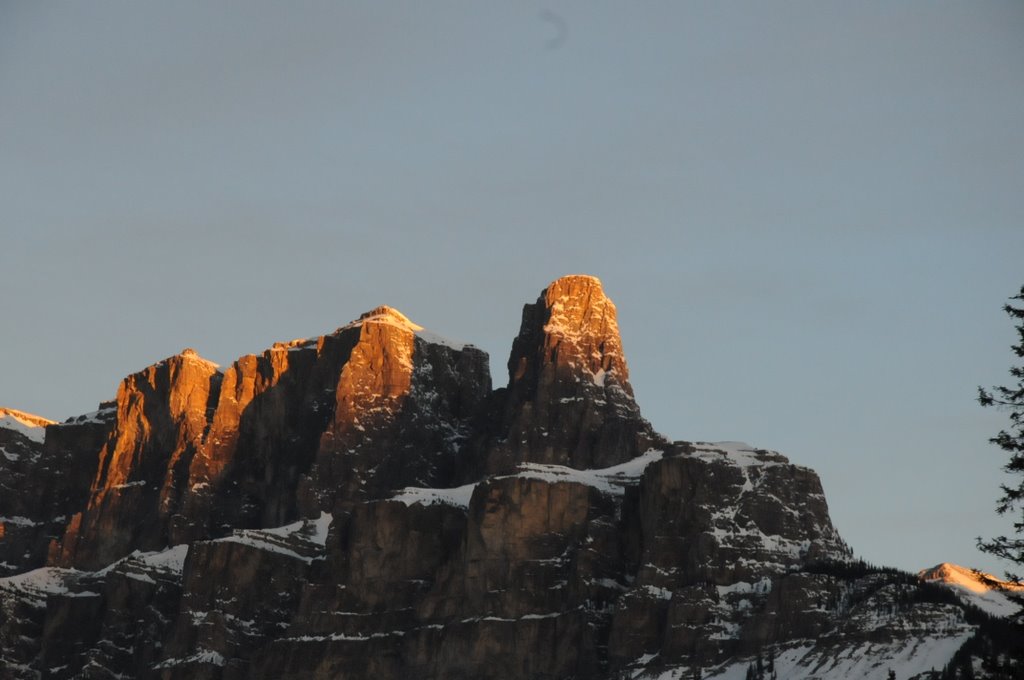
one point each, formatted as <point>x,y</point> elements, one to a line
<point>31,426</point>
<point>990,594</point>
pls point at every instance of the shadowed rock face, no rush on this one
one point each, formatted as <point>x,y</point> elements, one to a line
<point>43,482</point>
<point>362,505</point>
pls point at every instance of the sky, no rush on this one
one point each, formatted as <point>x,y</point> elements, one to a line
<point>809,214</point>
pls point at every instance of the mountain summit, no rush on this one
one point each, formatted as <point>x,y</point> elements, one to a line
<point>363,505</point>
<point>986,592</point>
<point>568,399</point>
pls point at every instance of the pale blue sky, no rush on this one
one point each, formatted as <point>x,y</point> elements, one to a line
<point>808,213</point>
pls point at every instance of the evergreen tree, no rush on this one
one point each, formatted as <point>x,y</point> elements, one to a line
<point>1011,440</point>
<point>892,674</point>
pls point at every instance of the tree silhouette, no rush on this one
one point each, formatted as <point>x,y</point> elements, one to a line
<point>1011,399</point>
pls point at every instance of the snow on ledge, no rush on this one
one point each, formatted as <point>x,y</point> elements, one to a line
<point>611,480</point>
<point>737,453</point>
<point>204,657</point>
<point>311,530</point>
<point>170,560</point>
<point>39,582</point>
<point>299,540</point>
<point>458,496</point>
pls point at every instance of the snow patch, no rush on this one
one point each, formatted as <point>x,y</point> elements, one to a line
<point>19,521</point>
<point>128,485</point>
<point>39,582</point>
<point>611,480</point>
<point>737,453</point>
<point>100,416</point>
<point>300,540</point>
<point>866,661</point>
<point>458,496</point>
<point>27,425</point>
<point>310,530</point>
<point>205,657</point>
<point>171,560</point>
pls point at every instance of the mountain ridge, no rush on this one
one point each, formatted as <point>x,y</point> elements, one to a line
<point>363,504</point>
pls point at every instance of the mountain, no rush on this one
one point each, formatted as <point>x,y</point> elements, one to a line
<point>364,505</point>
<point>984,591</point>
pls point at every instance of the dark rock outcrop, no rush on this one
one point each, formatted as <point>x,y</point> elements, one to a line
<point>46,469</point>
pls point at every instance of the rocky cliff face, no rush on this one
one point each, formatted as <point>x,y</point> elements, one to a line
<point>194,453</point>
<point>160,417</point>
<point>568,400</point>
<point>21,444</point>
<point>363,505</point>
<point>45,472</point>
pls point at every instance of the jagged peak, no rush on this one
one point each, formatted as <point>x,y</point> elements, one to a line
<point>575,324</point>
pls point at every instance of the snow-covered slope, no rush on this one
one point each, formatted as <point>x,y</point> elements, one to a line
<point>986,592</point>
<point>32,427</point>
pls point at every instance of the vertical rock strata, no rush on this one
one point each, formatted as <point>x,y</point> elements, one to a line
<point>401,410</point>
<point>161,416</point>
<point>307,425</point>
<point>362,505</point>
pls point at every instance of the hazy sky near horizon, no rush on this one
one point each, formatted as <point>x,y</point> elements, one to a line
<point>808,214</point>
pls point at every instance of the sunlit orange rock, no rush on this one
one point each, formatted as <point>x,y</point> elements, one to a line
<point>161,415</point>
<point>568,400</point>
<point>350,415</point>
<point>402,406</point>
